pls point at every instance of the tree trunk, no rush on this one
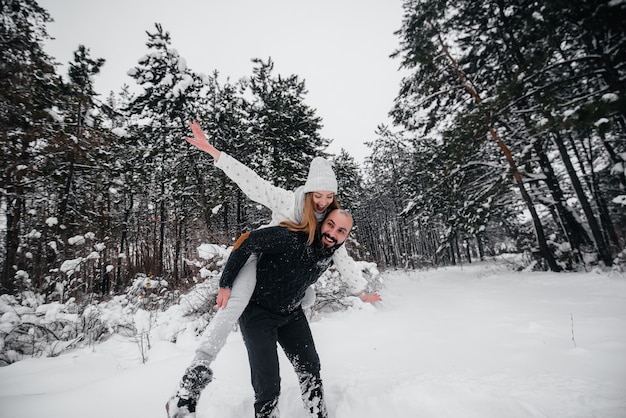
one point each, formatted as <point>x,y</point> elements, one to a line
<point>14,199</point>
<point>13,217</point>
<point>204,201</point>
<point>122,245</point>
<point>178,230</point>
<point>573,230</point>
<point>608,229</point>
<point>541,239</point>
<point>162,221</point>
<point>479,243</point>
<point>601,246</point>
<point>468,251</point>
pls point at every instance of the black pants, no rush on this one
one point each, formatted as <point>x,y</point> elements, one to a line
<point>261,331</point>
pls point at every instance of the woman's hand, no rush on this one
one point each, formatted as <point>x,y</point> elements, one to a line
<point>199,140</point>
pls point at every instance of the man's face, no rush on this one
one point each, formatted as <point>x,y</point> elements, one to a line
<point>335,228</point>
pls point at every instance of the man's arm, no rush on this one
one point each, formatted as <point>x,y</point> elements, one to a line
<point>265,240</point>
<point>239,255</point>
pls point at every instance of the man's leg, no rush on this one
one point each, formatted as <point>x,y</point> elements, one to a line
<point>297,341</point>
<point>258,328</point>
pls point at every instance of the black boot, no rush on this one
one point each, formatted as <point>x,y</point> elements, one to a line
<point>183,404</point>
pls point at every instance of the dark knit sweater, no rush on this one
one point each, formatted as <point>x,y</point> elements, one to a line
<point>286,267</point>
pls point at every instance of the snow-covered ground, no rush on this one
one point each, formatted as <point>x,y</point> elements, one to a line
<point>472,341</point>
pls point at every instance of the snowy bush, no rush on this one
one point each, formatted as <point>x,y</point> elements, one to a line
<point>33,326</point>
<point>333,294</point>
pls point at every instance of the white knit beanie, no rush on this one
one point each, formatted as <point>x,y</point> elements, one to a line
<point>321,176</point>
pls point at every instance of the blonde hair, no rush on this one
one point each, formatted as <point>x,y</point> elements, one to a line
<point>308,223</point>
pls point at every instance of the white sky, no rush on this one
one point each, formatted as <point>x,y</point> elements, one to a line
<point>340,48</point>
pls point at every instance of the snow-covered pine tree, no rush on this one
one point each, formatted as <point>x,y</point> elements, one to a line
<point>170,98</point>
<point>29,89</point>
<point>529,78</point>
<point>285,129</point>
<point>224,120</point>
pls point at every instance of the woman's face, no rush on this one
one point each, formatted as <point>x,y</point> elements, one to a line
<point>321,200</point>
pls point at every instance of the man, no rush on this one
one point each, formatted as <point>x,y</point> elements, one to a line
<point>288,263</point>
<point>287,266</point>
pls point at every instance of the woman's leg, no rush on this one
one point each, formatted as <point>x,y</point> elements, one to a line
<point>225,319</point>
<point>309,298</point>
<point>199,374</point>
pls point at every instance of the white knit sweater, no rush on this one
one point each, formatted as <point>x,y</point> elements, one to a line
<point>286,205</point>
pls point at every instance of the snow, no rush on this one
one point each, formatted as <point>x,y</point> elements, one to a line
<point>211,251</point>
<point>120,132</point>
<point>76,240</point>
<point>69,267</point>
<point>477,340</point>
<point>52,221</point>
<point>621,200</point>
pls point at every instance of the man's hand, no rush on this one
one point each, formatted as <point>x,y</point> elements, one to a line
<point>370,297</point>
<point>222,297</point>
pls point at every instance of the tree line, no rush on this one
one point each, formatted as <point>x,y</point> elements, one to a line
<point>508,136</point>
<point>512,122</point>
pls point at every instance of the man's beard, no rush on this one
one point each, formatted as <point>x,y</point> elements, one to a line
<point>319,236</point>
<point>329,238</point>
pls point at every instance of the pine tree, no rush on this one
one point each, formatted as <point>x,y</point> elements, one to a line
<point>283,126</point>
<point>225,122</point>
<point>382,229</point>
<point>29,89</point>
<point>170,99</point>
<point>75,153</point>
<point>349,179</point>
<point>527,69</point>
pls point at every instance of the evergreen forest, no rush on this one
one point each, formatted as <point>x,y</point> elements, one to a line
<point>508,136</point>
